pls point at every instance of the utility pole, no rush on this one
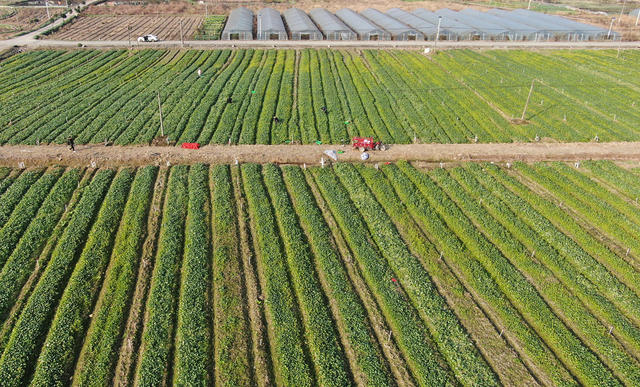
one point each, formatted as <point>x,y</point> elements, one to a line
<point>46,5</point>
<point>529,6</point>
<point>160,108</point>
<point>610,27</point>
<point>524,111</point>
<point>129,30</point>
<point>435,41</point>
<point>206,9</point>
<point>619,47</point>
<point>181,39</point>
<point>637,18</point>
<point>622,11</point>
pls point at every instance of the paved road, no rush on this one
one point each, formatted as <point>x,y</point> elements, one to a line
<point>43,155</point>
<point>28,41</point>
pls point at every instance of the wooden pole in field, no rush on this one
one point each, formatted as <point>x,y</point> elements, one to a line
<point>160,108</point>
<point>435,41</point>
<point>524,111</point>
<point>181,39</point>
<point>619,47</point>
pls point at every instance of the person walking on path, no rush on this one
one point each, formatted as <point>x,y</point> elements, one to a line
<point>71,143</point>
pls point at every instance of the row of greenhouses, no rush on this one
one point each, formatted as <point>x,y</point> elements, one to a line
<point>398,24</point>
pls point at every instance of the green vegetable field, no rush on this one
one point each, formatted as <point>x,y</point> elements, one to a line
<point>211,28</point>
<point>457,96</point>
<point>475,274</point>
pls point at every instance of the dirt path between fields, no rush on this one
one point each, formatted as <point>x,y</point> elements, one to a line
<point>300,44</point>
<point>43,155</point>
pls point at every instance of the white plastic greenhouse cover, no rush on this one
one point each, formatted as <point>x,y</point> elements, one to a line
<point>487,28</point>
<point>240,22</point>
<point>361,25</point>
<point>635,12</point>
<point>398,30</point>
<point>519,30</point>
<point>332,27</point>
<point>270,25</point>
<point>580,30</point>
<point>451,28</point>
<point>547,29</point>
<point>428,29</point>
<point>300,25</point>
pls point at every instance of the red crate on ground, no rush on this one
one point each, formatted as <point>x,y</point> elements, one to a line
<point>190,145</point>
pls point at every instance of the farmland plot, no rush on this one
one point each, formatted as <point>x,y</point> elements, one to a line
<point>277,96</point>
<point>211,28</point>
<point>473,275</point>
<point>93,27</point>
<point>14,21</point>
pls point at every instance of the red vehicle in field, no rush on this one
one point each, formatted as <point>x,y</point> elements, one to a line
<point>367,144</point>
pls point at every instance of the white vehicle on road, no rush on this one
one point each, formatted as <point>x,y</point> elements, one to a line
<point>148,38</point>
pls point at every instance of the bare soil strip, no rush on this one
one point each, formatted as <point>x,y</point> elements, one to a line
<point>100,156</point>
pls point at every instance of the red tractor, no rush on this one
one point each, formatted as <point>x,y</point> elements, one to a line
<point>367,144</point>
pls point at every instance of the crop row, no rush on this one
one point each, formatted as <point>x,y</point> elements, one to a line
<point>193,331</point>
<point>97,360</point>
<point>577,305</point>
<point>230,325</point>
<point>349,275</point>
<point>156,343</point>
<point>20,262</point>
<point>412,336</point>
<point>461,259</point>
<point>398,97</point>
<point>568,102</point>
<point>68,327</point>
<point>287,335</point>
<point>448,335</point>
<point>322,336</point>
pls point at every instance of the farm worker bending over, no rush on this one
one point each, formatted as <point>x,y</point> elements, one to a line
<point>199,73</point>
<point>324,109</point>
<point>276,119</point>
<point>71,143</point>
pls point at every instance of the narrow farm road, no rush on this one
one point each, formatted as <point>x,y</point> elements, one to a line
<point>358,44</point>
<point>32,155</point>
<point>30,38</point>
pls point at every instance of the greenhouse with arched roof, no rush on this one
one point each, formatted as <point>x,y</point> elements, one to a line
<point>239,25</point>
<point>362,26</point>
<point>270,25</point>
<point>331,26</point>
